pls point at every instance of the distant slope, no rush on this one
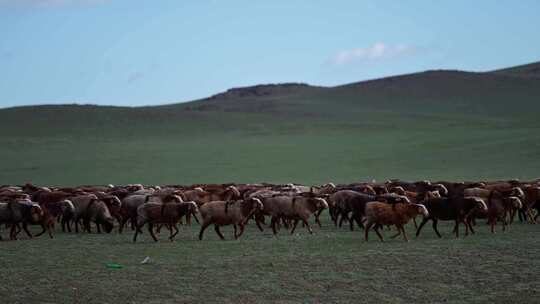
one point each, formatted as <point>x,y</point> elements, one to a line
<point>526,70</point>
<point>435,124</point>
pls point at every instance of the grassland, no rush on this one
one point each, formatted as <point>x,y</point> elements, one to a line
<point>436,125</point>
<point>330,266</point>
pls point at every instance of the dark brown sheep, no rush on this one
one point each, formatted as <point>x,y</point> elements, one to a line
<point>451,209</point>
<point>19,212</point>
<point>153,213</point>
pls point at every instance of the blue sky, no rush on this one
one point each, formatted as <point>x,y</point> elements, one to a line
<point>135,52</point>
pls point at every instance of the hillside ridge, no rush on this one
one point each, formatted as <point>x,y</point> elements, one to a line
<point>271,90</point>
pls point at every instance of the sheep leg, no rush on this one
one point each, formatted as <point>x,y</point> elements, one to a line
<point>133,223</point>
<point>424,221</point>
<point>376,228</point>
<point>286,222</point>
<point>12,232</point>
<point>351,222</point>
<point>196,219</point>
<point>25,228</point>
<point>242,226</point>
<point>333,215</point>
<point>98,226</point>
<point>235,230</point>
<point>366,231</point>
<point>63,225</point>
<point>434,225</point>
<point>414,222</point>
<point>203,227</point>
<point>136,233</point>
<point>151,230</point>
<point>521,215</point>
<point>216,228</point>
<point>273,224</point>
<point>308,226</point>
<point>43,229</point>
<point>468,222</point>
<point>67,223</point>
<point>358,219</point>
<point>456,228</point>
<point>294,226</point>
<point>171,237</point>
<point>50,230</point>
<point>317,220</point>
<point>86,225</point>
<point>397,234</point>
<point>402,229</point>
<point>258,222</point>
<point>512,215</point>
<point>343,216</point>
<point>121,224</point>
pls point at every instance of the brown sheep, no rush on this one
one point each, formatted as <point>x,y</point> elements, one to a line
<point>153,213</point>
<point>292,208</point>
<point>378,214</point>
<point>222,213</point>
<point>53,211</point>
<point>201,196</point>
<point>128,209</point>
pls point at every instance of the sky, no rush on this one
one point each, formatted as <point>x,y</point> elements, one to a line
<point>138,52</point>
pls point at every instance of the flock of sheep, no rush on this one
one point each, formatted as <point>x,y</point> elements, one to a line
<point>367,205</point>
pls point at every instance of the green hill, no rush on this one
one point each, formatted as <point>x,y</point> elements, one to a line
<point>526,70</point>
<point>434,124</point>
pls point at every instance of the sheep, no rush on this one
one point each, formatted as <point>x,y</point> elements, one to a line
<point>348,201</point>
<point>222,213</point>
<point>201,196</point>
<point>456,209</point>
<point>91,209</point>
<point>128,209</point>
<point>292,208</point>
<point>113,203</point>
<point>500,203</point>
<point>530,202</point>
<point>63,209</point>
<point>19,212</point>
<point>341,204</point>
<point>378,213</point>
<point>152,213</point>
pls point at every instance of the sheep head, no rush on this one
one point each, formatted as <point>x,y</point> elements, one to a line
<point>441,189</point>
<point>515,202</point>
<point>320,203</point>
<point>480,204</point>
<point>421,209</point>
<point>517,192</point>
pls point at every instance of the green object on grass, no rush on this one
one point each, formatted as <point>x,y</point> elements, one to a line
<point>114,265</point>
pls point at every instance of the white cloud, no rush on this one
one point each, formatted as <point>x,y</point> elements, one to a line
<point>48,3</point>
<point>377,51</point>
